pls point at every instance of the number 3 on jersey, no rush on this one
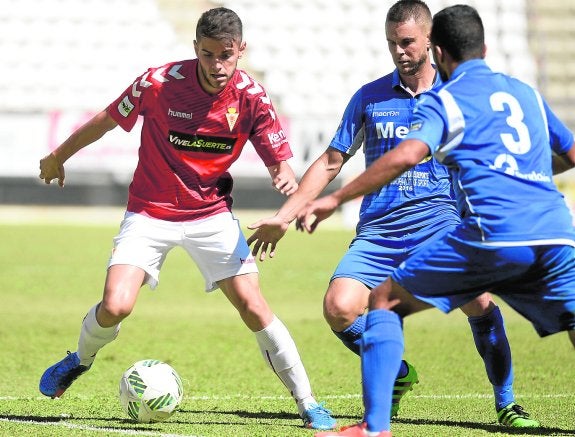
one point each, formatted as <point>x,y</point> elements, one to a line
<point>520,143</point>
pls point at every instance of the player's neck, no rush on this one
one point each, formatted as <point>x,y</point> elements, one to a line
<point>419,82</point>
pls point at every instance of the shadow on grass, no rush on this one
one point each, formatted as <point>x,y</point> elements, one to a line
<point>489,427</point>
<point>281,415</point>
<point>262,415</point>
<point>242,414</point>
<point>129,424</point>
<point>24,418</point>
<point>55,419</point>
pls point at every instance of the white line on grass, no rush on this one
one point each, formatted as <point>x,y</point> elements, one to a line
<point>92,428</point>
<point>285,397</point>
<point>358,395</point>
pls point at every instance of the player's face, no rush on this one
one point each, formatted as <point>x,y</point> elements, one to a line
<point>218,60</point>
<point>408,44</point>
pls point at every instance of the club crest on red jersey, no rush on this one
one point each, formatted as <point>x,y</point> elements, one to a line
<point>232,116</point>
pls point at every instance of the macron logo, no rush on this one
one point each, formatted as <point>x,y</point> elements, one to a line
<point>186,115</point>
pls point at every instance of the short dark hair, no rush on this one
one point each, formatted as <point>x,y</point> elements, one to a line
<point>404,10</point>
<point>459,30</point>
<point>220,24</point>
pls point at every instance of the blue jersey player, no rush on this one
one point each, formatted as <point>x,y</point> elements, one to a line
<point>502,143</point>
<point>416,209</point>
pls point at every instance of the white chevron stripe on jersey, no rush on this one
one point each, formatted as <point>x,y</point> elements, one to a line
<point>174,72</point>
<point>143,83</point>
<point>256,89</point>
<point>245,81</point>
<point>159,75</point>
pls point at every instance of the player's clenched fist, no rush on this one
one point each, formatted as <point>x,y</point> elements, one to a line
<point>51,168</point>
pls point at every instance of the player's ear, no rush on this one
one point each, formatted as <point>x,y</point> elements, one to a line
<point>241,49</point>
<point>437,54</point>
<point>196,48</point>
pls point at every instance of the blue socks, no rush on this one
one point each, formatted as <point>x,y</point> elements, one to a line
<point>351,338</point>
<point>378,337</point>
<point>491,343</point>
<point>381,352</point>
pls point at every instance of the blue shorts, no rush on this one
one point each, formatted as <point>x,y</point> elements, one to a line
<point>537,281</point>
<point>372,257</point>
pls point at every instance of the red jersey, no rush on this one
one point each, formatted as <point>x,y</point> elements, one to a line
<point>190,139</point>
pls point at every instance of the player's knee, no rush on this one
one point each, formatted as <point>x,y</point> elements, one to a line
<point>112,313</point>
<point>480,306</point>
<point>338,315</point>
<point>253,307</point>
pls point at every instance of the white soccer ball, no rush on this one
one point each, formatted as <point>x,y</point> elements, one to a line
<point>150,391</point>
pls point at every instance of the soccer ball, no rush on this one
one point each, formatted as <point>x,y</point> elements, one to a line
<point>150,391</point>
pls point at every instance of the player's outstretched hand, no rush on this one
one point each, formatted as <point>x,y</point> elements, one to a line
<point>267,233</point>
<point>315,212</point>
<point>51,168</point>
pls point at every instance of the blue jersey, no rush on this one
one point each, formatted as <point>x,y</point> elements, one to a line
<point>497,134</point>
<point>378,117</point>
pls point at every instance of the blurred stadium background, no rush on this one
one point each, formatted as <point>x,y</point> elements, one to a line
<point>64,60</point>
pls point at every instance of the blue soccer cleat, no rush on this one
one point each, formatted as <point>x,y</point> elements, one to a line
<point>56,379</point>
<point>318,417</point>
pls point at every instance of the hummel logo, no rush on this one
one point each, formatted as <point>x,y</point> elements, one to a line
<point>186,115</point>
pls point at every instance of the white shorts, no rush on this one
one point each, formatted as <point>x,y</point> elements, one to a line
<point>216,244</point>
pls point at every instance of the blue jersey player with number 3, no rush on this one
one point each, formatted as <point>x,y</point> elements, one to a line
<point>502,145</point>
<point>396,220</point>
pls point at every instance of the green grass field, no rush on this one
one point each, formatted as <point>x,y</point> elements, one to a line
<point>51,275</point>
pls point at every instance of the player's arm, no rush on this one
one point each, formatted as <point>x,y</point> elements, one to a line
<point>269,231</point>
<point>52,165</point>
<point>565,161</point>
<point>384,170</point>
<point>316,178</point>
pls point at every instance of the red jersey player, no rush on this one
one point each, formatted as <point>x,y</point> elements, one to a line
<point>198,114</point>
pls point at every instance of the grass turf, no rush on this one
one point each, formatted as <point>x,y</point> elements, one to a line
<point>51,275</point>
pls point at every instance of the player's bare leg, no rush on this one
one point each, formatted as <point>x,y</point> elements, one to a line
<point>344,300</point>
<point>277,346</point>
<point>99,327</point>
<point>123,283</point>
<point>344,307</point>
<point>243,292</point>
<point>479,306</point>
